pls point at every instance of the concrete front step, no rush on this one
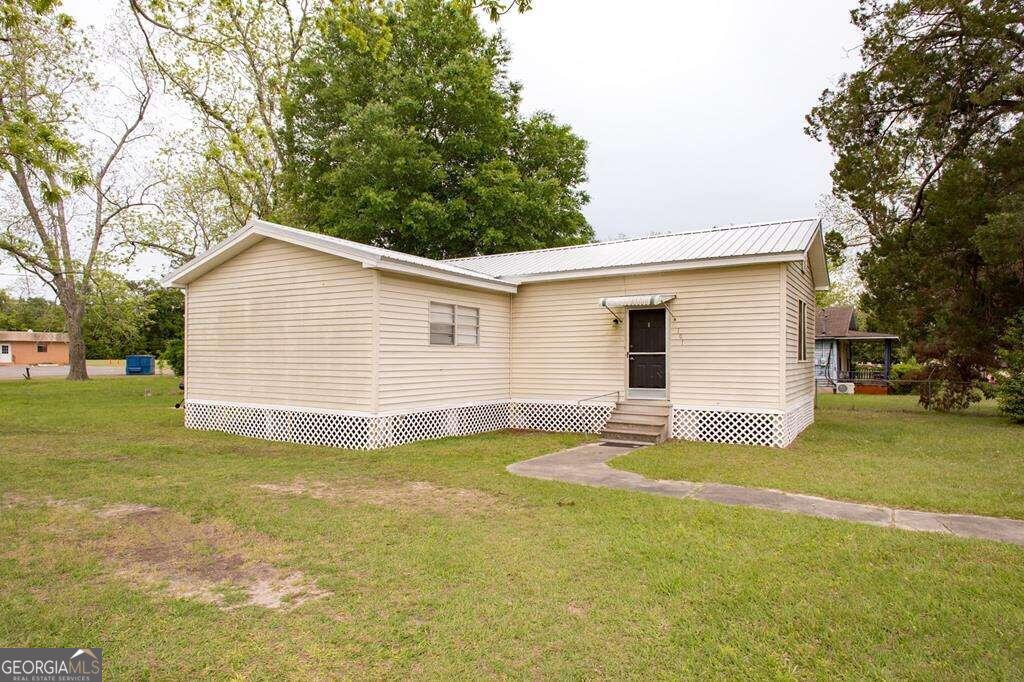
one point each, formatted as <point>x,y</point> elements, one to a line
<point>633,408</point>
<point>653,419</point>
<point>620,426</point>
<point>619,437</point>
<point>623,441</point>
<point>638,421</point>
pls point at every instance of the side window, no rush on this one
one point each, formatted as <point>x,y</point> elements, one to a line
<point>442,324</point>
<point>801,333</point>
<point>467,325</point>
<point>5,349</point>
<point>40,347</point>
<point>454,325</point>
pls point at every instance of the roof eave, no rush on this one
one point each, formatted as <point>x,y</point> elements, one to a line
<point>391,265</point>
<point>819,263</point>
<point>257,230</point>
<point>212,257</point>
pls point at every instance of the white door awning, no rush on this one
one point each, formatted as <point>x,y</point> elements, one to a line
<point>637,300</point>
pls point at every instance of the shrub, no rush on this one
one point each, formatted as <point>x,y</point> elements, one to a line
<point>1010,391</point>
<point>905,371</point>
<point>945,395</point>
<point>1011,397</point>
<point>989,389</point>
<point>174,355</point>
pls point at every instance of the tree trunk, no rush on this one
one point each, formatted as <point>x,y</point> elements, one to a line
<point>73,315</point>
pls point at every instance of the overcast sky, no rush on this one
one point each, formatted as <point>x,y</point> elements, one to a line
<point>693,111</point>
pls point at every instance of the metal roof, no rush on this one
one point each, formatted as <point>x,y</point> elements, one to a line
<point>446,266</point>
<point>759,239</point>
<point>781,241</point>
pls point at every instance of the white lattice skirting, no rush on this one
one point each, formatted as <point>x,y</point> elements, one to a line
<point>342,429</point>
<point>365,431</point>
<point>555,416</point>
<point>773,428</point>
<point>796,418</point>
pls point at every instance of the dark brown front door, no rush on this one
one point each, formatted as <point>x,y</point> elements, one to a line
<point>647,348</point>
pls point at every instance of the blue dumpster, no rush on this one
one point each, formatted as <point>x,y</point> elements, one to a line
<point>139,364</point>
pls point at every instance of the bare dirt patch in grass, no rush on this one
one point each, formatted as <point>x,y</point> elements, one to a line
<point>117,511</point>
<point>412,495</point>
<point>15,499</point>
<point>210,561</point>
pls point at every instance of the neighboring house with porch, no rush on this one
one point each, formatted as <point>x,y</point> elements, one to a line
<point>835,335</point>
<point>33,348</point>
<point>703,335</point>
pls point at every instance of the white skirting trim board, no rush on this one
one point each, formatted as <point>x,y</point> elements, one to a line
<point>363,431</point>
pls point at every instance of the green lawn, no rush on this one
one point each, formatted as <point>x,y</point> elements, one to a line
<point>430,560</point>
<point>877,449</point>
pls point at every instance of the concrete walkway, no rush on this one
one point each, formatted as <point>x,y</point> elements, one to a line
<point>587,465</point>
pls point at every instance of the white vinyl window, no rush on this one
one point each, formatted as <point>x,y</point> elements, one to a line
<point>801,332</point>
<point>454,325</point>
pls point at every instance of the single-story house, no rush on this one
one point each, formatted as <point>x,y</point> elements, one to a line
<point>704,335</point>
<point>835,334</point>
<point>33,348</point>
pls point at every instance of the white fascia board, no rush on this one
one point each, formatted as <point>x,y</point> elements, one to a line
<point>257,230</point>
<point>819,263</point>
<point>392,265</point>
<point>728,261</point>
<point>215,255</point>
<point>311,240</point>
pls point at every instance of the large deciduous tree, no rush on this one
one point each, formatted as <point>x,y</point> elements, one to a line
<point>64,145</point>
<point>230,61</point>
<point>423,148</point>
<point>927,136</point>
<point>194,212</point>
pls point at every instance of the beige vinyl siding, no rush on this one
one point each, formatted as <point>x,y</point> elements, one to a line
<point>724,347</point>
<point>564,345</point>
<point>281,324</point>
<point>412,373</point>
<point>799,374</point>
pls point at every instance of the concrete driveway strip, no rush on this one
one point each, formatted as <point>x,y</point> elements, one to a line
<point>17,372</point>
<point>588,465</point>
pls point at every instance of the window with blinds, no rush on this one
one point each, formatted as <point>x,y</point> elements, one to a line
<point>801,335</point>
<point>454,325</point>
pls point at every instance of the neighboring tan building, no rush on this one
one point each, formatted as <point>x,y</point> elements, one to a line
<point>33,348</point>
<point>706,335</point>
